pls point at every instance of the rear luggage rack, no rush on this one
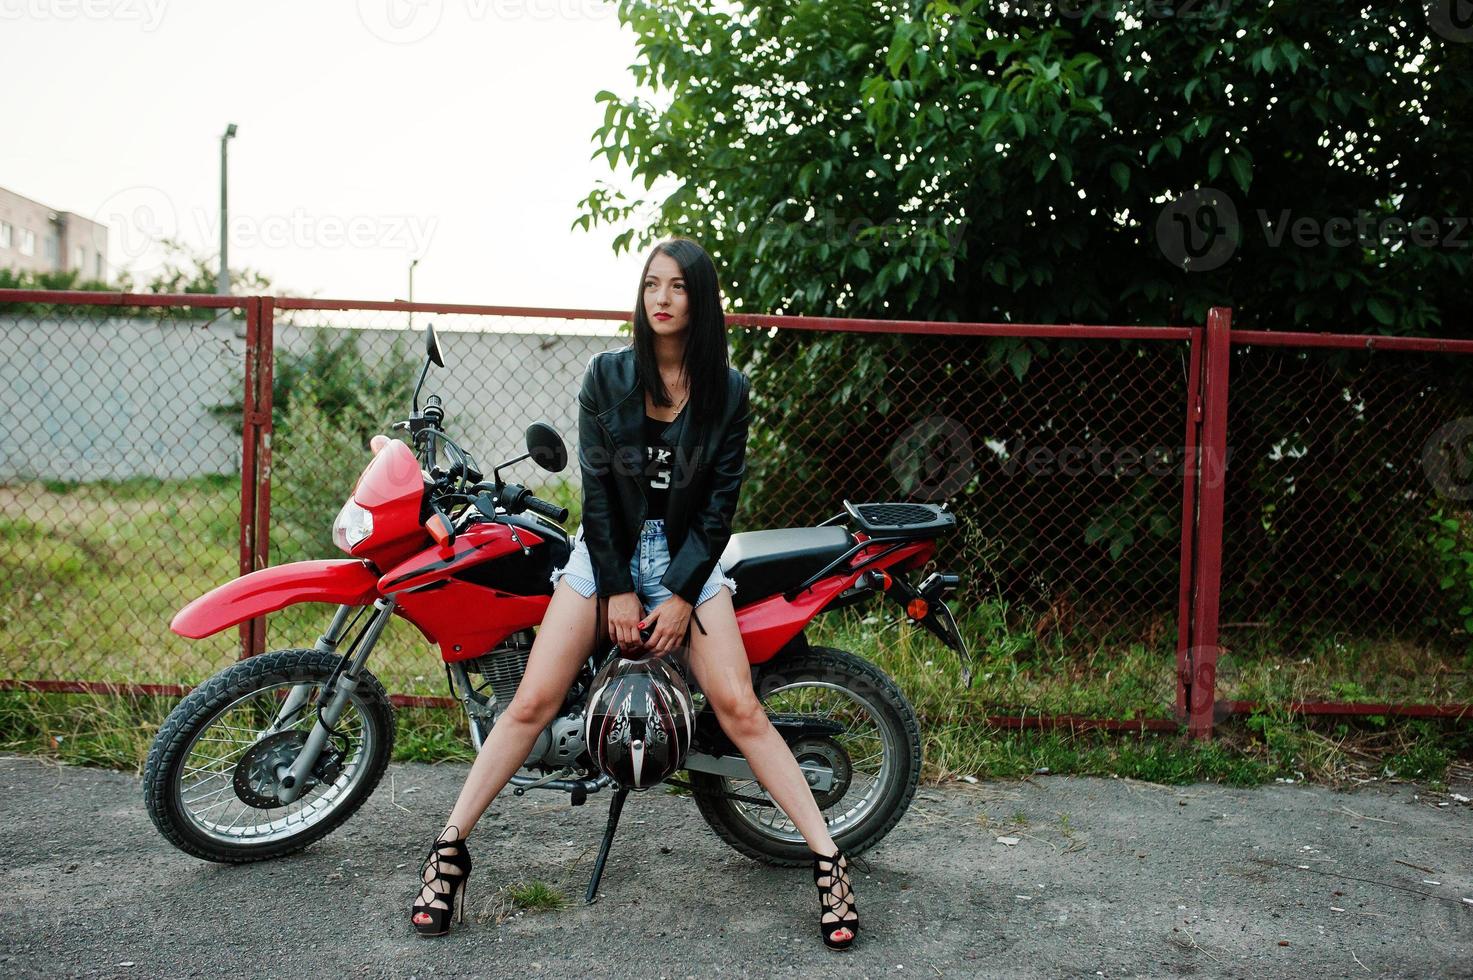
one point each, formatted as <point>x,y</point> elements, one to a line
<point>894,519</point>
<point>899,521</point>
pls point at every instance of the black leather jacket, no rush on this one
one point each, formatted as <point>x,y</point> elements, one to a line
<point>707,477</point>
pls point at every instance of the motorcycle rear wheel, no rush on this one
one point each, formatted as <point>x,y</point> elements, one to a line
<point>881,752</point>
<point>206,782</point>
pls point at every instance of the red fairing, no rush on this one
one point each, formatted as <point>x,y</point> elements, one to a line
<point>465,619</point>
<point>768,624</point>
<point>340,582</point>
<point>476,544</point>
<point>391,488</point>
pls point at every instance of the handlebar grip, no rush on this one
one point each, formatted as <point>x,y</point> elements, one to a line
<point>559,514</point>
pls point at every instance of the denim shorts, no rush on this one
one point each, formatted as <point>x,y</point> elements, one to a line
<point>647,566</point>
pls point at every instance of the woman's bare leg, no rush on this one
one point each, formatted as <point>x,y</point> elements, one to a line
<point>720,663</point>
<point>563,642</point>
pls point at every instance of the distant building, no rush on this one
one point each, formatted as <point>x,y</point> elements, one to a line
<point>35,238</point>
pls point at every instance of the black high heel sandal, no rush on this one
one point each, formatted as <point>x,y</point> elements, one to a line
<point>835,898</point>
<point>446,854</point>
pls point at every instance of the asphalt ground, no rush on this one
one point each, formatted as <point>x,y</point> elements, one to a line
<point>1093,877</point>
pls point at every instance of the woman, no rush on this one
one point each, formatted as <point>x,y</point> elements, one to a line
<point>689,449</point>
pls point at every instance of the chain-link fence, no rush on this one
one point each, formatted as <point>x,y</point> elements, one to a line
<point>342,376</point>
<point>1347,534</point>
<point>120,488</point>
<point>1070,456</point>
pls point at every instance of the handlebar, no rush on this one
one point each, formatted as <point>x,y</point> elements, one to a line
<point>516,498</point>
<point>426,428</point>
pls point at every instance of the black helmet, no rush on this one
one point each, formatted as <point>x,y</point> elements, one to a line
<point>639,720</point>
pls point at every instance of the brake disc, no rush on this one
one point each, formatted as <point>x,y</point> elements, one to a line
<point>826,752</point>
<point>256,782</point>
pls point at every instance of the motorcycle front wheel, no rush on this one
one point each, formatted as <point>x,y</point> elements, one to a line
<point>210,780</point>
<point>875,761</point>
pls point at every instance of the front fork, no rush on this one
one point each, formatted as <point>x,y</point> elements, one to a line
<point>293,779</point>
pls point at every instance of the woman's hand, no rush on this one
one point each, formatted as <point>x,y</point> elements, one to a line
<point>670,619</point>
<point>624,611</point>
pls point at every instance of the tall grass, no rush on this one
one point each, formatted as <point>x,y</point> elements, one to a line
<point>92,574</point>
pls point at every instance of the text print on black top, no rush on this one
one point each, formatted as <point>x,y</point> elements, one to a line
<point>659,467</point>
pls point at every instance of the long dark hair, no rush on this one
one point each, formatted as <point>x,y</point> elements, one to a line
<point>707,359</point>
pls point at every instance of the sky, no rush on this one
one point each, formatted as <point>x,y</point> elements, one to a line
<point>370,133</point>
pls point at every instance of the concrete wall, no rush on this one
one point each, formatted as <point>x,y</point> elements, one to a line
<point>118,398</point>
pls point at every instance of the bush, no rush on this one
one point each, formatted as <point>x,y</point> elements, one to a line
<point>333,403</point>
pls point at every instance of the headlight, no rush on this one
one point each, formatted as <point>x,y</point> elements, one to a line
<point>353,526</point>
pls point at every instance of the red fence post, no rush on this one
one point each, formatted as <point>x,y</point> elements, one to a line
<point>248,463</point>
<point>265,380</point>
<point>1188,528</point>
<point>255,460</point>
<point>1212,460</point>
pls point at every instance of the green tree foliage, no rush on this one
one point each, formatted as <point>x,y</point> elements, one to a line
<point>961,160</point>
<point>69,279</point>
<point>328,401</point>
<point>992,161</point>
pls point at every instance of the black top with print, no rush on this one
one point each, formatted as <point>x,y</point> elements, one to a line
<point>658,469</point>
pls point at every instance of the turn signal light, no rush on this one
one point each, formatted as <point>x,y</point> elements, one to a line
<point>439,527</point>
<point>917,608</point>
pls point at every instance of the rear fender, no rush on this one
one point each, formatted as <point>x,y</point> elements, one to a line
<point>340,582</point>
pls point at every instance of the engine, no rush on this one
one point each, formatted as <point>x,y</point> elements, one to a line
<point>560,743</point>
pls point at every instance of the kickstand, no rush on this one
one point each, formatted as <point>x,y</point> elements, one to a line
<point>615,805</point>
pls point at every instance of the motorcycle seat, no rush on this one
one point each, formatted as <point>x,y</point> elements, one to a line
<point>764,563</point>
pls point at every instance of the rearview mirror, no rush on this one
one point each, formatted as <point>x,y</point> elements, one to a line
<point>432,346</point>
<point>546,447</point>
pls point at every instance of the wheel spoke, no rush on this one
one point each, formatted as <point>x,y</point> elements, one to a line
<point>206,787</point>
<point>868,742</point>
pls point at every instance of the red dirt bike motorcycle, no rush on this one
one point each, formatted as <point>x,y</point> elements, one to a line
<point>277,750</point>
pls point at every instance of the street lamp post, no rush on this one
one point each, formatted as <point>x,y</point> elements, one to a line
<point>222,282</point>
